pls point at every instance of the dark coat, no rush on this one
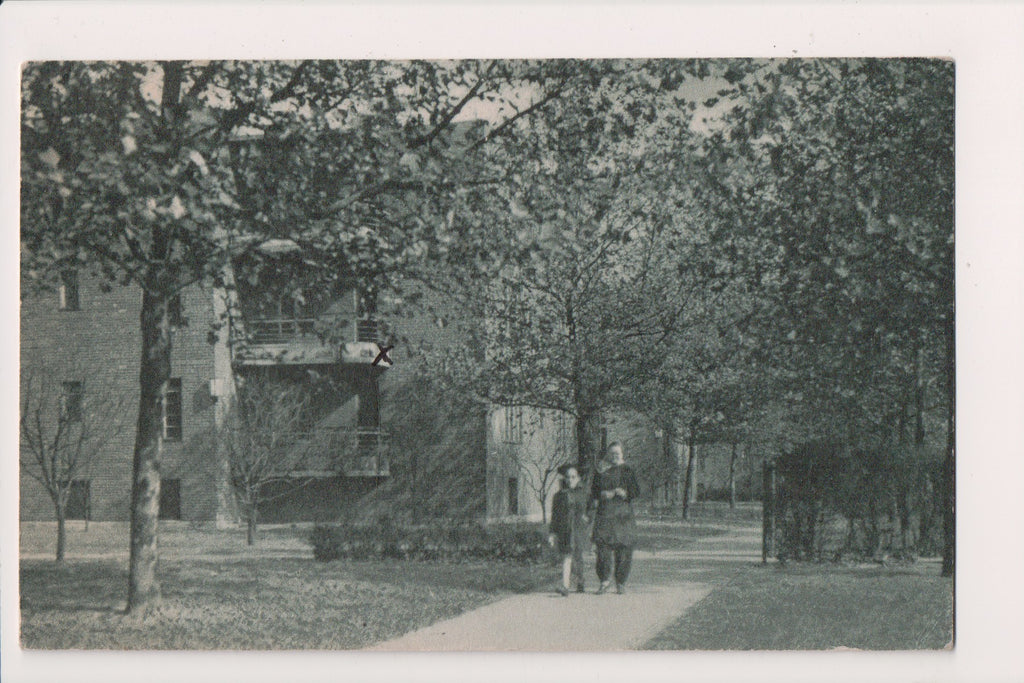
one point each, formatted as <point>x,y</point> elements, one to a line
<point>568,510</point>
<point>614,523</point>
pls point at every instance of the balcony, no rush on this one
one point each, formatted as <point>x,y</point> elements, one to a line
<point>356,452</point>
<point>281,330</point>
<point>293,341</point>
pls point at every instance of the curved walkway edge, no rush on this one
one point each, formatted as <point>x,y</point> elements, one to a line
<point>588,622</point>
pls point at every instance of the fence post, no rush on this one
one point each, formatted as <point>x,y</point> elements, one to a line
<point>768,512</point>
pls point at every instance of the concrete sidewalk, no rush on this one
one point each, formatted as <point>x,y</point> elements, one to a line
<point>658,594</point>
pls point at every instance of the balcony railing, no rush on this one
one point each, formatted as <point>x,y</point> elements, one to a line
<point>284,330</point>
<point>280,330</point>
<point>355,452</point>
<point>294,341</point>
<point>367,331</point>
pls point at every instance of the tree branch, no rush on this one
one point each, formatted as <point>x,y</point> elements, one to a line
<point>447,119</point>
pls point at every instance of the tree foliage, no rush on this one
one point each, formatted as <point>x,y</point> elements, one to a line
<point>773,262</point>
<point>157,175</point>
<point>585,263</point>
<point>837,178</point>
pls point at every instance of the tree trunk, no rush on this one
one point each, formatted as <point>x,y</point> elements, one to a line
<point>924,522</point>
<point>671,463</point>
<point>143,589</point>
<point>154,372</point>
<point>768,499</point>
<point>587,440</point>
<point>949,468</point>
<point>61,534</point>
<point>413,480</point>
<point>906,498</point>
<point>688,480</point>
<point>732,478</point>
<point>250,526</point>
<point>907,540</point>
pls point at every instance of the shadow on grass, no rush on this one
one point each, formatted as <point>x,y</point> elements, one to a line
<point>819,607</point>
<point>255,603</point>
<point>98,586</point>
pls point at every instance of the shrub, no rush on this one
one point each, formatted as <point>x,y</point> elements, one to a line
<point>835,502</point>
<point>433,542</point>
<point>326,543</point>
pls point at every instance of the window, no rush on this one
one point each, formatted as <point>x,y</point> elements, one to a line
<point>368,415</point>
<point>172,410</point>
<point>563,431</point>
<point>78,500</point>
<point>513,424</point>
<point>281,318</point>
<point>71,402</point>
<point>174,316</point>
<point>170,499</point>
<point>68,292</point>
<point>513,496</point>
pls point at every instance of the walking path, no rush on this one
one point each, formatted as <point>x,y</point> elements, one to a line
<point>663,585</point>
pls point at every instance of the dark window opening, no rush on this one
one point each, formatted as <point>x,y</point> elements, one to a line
<point>369,402</point>
<point>172,410</point>
<point>68,292</point>
<point>174,312</point>
<point>78,500</point>
<point>513,496</point>
<point>170,499</point>
<point>71,402</point>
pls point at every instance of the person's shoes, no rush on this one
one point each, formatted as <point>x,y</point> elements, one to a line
<point>563,591</point>
<point>580,588</point>
<point>620,589</point>
<point>603,588</point>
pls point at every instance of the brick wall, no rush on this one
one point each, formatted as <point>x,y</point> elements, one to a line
<point>99,345</point>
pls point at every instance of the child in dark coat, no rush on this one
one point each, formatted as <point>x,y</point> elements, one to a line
<point>568,529</point>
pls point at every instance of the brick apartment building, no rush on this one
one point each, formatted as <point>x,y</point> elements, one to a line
<point>83,337</point>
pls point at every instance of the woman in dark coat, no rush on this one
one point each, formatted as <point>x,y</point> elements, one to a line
<point>612,493</point>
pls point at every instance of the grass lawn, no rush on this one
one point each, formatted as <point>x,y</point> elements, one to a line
<point>816,607</point>
<point>254,603</point>
<point>674,535</point>
<point>220,594</point>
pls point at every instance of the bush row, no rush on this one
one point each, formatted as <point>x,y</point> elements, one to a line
<point>833,502</point>
<point>519,543</point>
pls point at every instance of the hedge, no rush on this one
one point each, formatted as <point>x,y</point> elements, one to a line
<point>461,541</point>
